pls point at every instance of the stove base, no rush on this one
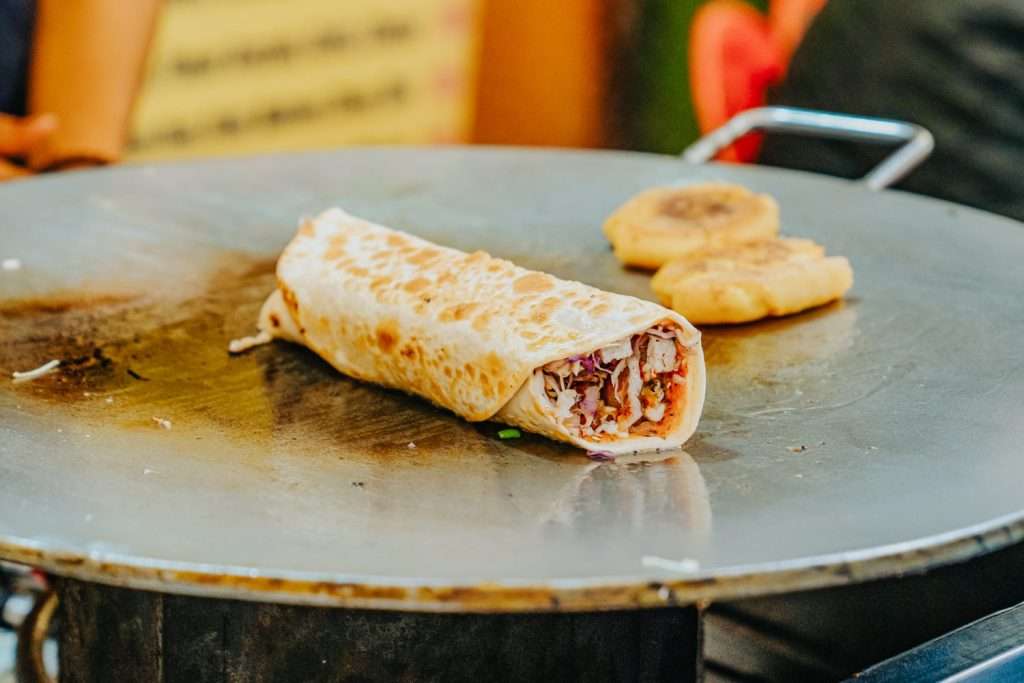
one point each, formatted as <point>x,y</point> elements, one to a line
<point>119,634</point>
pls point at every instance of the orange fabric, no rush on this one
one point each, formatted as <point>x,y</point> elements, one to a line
<point>541,77</point>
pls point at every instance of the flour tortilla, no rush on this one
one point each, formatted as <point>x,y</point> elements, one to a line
<point>465,331</point>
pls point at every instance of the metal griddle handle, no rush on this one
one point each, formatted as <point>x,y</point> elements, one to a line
<point>918,141</point>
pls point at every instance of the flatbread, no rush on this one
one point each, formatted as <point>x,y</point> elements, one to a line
<point>666,223</point>
<point>470,332</point>
<point>752,281</point>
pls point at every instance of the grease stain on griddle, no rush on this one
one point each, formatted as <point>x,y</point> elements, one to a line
<point>160,355</point>
<point>61,302</point>
<point>150,349</point>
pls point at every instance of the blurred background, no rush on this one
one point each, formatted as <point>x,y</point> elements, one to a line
<point>209,77</point>
<point>171,79</point>
<point>227,76</point>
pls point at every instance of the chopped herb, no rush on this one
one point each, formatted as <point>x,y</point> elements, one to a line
<point>509,434</point>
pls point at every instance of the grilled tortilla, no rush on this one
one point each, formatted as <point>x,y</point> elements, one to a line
<point>487,339</point>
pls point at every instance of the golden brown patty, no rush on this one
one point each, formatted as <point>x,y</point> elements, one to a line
<point>665,223</point>
<point>752,281</point>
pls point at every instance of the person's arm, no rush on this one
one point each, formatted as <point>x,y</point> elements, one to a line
<point>19,136</point>
<point>87,62</point>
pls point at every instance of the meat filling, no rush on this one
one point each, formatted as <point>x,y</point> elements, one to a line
<point>631,388</point>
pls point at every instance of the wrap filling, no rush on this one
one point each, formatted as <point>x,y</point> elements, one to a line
<point>634,387</point>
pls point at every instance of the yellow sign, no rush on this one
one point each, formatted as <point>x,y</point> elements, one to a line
<point>242,76</point>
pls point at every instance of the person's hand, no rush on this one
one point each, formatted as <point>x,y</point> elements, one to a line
<point>19,136</point>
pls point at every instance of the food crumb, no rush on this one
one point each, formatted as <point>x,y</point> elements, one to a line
<point>35,373</point>
<point>797,449</point>
<point>686,565</point>
<point>11,264</point>
<point>162,423</point>
<point>149,471</point>
<point>411,445</point>
<point>108,399</point>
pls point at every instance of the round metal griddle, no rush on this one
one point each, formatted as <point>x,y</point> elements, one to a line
<point>868,438</point>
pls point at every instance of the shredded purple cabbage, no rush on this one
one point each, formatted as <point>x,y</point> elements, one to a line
<point>600,456</point>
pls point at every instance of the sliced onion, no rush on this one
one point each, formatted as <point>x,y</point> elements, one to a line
<point>619,367</point>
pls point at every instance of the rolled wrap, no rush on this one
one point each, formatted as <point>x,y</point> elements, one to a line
<point>465,331</point>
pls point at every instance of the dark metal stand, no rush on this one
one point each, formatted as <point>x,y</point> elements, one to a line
<point>128,635</point>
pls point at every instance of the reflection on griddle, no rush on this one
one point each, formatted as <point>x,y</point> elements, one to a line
<point>631,491</point>
<point>400,461</point>
<point>775,366</point>
<point>770,345</point>
<point>336,461</point>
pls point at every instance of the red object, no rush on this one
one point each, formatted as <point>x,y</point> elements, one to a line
<point>736,54</point>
